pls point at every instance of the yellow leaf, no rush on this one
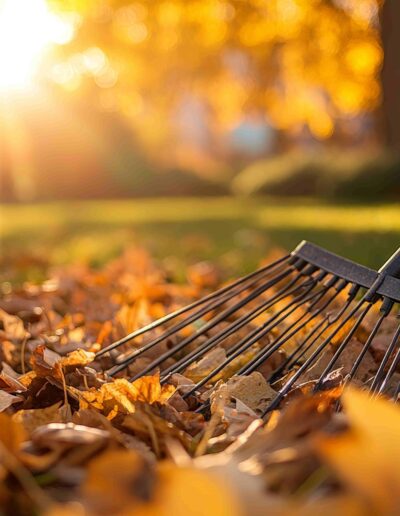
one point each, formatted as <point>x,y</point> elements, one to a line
<point>116,481</point>
<point>367,457</point>
<point>186,491</point>
<point>12,433</point>
<point>149,390</point>
<point>27,378</point>
<point>79,357</point>
<point>120,395</point>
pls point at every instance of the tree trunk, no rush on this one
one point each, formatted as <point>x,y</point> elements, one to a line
<point>390,75</point>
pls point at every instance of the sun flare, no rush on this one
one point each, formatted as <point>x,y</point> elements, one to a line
<point>27,28</point>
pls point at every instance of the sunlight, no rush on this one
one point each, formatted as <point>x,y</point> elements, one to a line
<point>27,28</point>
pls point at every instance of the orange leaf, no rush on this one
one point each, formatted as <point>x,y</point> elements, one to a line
<point>367,456</point>
<point>120,395</point>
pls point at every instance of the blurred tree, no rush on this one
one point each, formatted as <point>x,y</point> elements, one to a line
<point>390,22</point>
<point>304,65</point>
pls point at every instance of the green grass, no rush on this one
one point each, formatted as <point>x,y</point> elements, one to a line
<point>235,233</point>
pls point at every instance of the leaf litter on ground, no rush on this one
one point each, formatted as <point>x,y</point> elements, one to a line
<point>74,441</point>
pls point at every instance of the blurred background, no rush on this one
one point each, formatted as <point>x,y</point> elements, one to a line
<point>199,129</point>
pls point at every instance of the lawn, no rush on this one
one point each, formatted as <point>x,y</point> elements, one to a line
<point>235,233</point>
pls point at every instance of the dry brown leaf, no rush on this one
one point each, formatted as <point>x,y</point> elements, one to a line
<point>33,418</point>
<point>205,365</point>
<point>253,390</point>
<point>54,435</point>
<point>10,383</point>
<point>13,326</point>
<point>45,362</point>
<point>27,378</point>
<point>7,399</point>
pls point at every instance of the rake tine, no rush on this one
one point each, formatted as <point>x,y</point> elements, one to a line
<point>254,336</point>
<point>302,348</point>
<point>342,346</point>
<point>379,374</point>
<point>341,285</point>
<point>185,322</point>
<point>155,324</point>
<point>236,325</point>
<point>396,394</point>
<point>132,356</point>
<point>328,321</point>
<point>384,313</point>
<point>264,354</point>
<point>392,369</point>
<point>285,389</point>
<point>213,322</point>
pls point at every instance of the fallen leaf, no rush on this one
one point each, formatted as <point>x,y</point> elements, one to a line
<point>117,482</point>
<point>7,399</point>
<point>366,457</point>
<point>78,357</point>
<point>61,434</point>
<point>45,362</point>
<point>253,390</point>
<point>13,326</point>
<point>120,395</point>
<point>200,369</point>
<point>34,418</point>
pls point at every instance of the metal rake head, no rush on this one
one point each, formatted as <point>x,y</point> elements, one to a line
<point>296,315</point>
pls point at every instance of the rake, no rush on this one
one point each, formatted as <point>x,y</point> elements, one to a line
<point>304,306</point>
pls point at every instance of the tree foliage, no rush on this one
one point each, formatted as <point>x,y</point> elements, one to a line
<point>310,64</point>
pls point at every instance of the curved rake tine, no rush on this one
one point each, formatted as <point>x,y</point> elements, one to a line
<point>318,330</point>
<point>392,369</point>
<point>195,304</point>
<point>379,376</point>
<point>254,336</point>
<point>341,348</point>
<point>312,358</point>
<point>228,311</point>
<point>342,284</point>
<point>182,324</point>
<point>226,332</point>
<point>264,354</point>
<point>213,322</point>
<point>187,360</point>
<point>328,321</point>
<point>384,313</point>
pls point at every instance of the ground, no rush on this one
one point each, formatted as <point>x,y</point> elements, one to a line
<point>236,233</point>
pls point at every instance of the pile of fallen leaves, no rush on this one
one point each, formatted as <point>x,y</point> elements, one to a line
<point>74,441</point>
